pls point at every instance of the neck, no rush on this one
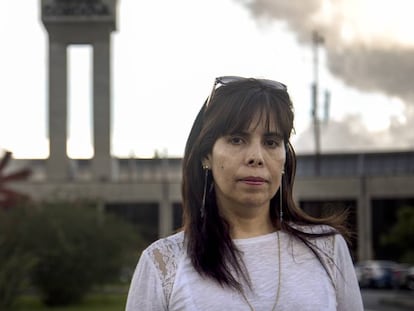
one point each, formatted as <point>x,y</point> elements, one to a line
<point>247,227</point>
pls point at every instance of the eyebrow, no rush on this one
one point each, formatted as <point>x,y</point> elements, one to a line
<point>273,134</point>
<point>267,134</point>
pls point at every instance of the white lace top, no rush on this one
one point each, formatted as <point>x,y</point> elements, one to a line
<point>165,279</point>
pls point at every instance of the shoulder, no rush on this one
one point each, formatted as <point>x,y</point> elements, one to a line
<point>314,229</point>
<point>170,245</point>
<point>332,250</point>
<point>165,255</point>
<point>177,238</point>
<point>327,241</point>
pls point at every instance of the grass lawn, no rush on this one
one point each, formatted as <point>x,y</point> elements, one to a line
<point>94,302</point>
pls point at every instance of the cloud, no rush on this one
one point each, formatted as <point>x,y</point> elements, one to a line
<point>375,69</point>
<point>368,57</point>
<point>373,63</point>
<point>351,135</point>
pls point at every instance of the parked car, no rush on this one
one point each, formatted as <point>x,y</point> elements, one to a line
<point>401,275</point>
<point>405,277</point>
<point>409,281</point>
<point>376,273</point>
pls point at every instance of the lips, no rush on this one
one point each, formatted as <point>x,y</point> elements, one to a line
<point>252,180</point>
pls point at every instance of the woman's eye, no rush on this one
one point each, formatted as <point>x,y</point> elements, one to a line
<point>272,143</point>
<point>235,140</point>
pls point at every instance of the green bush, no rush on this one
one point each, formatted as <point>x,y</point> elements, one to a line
<point>401,235</point>
<point>16,260</point>
<point>77,247</point>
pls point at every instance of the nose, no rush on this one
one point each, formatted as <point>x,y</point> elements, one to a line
<point>255,156</point>
<point>255,162</point>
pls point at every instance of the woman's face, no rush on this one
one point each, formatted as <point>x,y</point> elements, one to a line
<point>247,167</point>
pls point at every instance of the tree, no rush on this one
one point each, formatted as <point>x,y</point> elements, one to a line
<point>16,258</point>
<point>77,249</point>
<point>401,234</point>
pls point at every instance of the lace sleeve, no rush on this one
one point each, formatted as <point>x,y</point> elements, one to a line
<point>154,276</point>
<point>324,246</point>
<point>337,260</point>
<point>165,255</point>
<point>347,290</point>
<point>145,292</point>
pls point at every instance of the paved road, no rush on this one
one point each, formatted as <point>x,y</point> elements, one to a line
<point>388,300</point>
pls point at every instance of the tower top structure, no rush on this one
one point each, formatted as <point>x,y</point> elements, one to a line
<point>68,18</point>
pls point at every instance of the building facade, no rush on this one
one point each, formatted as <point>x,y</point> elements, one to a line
<point>372,186</point>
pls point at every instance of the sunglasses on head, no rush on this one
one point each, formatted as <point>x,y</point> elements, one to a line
<point>230,79</point>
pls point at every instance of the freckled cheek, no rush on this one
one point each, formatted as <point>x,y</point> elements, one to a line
<point>218,166</point>
<point>281,159</point>
<point>222,172</point>
<point>220,162</point>
<point>277,161</point>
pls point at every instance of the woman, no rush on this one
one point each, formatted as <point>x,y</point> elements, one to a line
<point>245,245</point>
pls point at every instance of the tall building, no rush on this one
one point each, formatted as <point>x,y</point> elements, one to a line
<point>79,22</point>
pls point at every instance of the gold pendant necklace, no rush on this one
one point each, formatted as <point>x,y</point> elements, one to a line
<point>279,280</point>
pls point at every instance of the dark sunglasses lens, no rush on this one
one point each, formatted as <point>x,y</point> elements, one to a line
<point>228,79</point>
<point>270,83</point>
<point>274,84</point>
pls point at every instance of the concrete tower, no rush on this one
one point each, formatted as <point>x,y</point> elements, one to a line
<point>79,22</point>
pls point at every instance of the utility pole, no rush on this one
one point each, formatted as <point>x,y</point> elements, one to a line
<point>327,104</point>
<point>316,41</point>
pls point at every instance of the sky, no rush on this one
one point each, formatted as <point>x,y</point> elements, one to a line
<point>166,54</point>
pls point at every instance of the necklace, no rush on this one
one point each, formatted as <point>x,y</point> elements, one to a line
<point>278,283</point>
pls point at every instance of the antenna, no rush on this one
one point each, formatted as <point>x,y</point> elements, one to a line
<point>327,106</point>
<point>316,41</point>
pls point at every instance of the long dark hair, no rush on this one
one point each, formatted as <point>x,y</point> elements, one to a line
<point>209,244</point>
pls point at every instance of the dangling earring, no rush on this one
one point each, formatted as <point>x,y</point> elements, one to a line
<point>203,204</point>
<point>280,199</point>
